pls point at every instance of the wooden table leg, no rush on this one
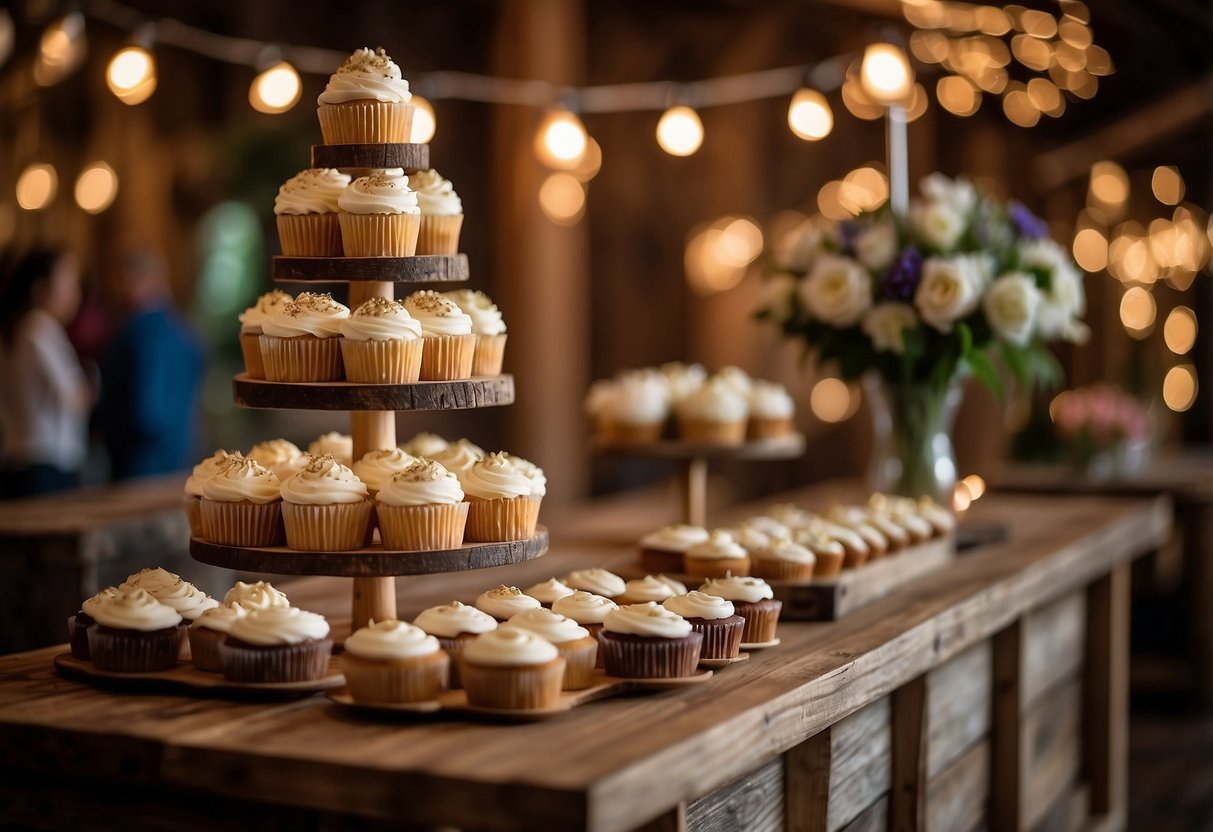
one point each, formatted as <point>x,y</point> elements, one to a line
<point>1106,693</point>
<point>695,492</point>
<point>1006,736</point>
<point>1195,521</point>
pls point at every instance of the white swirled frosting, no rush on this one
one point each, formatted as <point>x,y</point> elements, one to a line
<point>528,469</point>
<point>552,626</point>
<point>719,545</point>
<point>311,313</point>
<point>391,640</point>
<point>453,619</point>
<point>424,483</point>
<point>549,591</point>
<point>243,479</point>
<point>135,610</point>
<point>505,601</point>
<point>274,452</point>
<point>256,596</point>
<point>458,456</point>
<point>220,618</point>
<point>637,399</point>
<point>206,469</point>
<point>786,550</point>
<point>186,599</point>
<point>323,482</point>
<point>109,593</point>
<point>486,317</point>
<point>596,580</point>
<point>279,625</point>
<point>340,446</point>
<point>696,604</point>
<point>715,401</point>
<point>648,619</point>
<point>376,467</point>
<point>510,647</point>
<point>381,319</point>
<point>769,400</point>
<point>425,444</point>
<point>495,478</point>
<point>153,579</point>
<point>366,74</point>
<point>749,538</point>
<point>738,588</point>
<point>382,192</point>
<point>435,195</point>
<point>677,538</point>
<point>438,315</point>
<point>251,319</point>
<point>682,379</point>
<point>769,526</point>
<point>311,191</point>
<point>648,588</point>
<point>584,607</point>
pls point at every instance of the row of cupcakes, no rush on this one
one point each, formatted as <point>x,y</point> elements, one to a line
<point>321,212</point>
<point>427,336</point>
<point>683,401</point>
<point>789,543</point>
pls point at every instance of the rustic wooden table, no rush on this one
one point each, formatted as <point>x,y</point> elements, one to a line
<point>991,693</point>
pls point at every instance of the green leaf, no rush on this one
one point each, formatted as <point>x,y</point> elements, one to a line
<point>1016,362</point>
<point>966,339</point>
<point>986,373</point>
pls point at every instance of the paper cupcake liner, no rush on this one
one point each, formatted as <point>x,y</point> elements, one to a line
<point>759,428</point>
<point>366,122</point>
<point>447,357</point>
<point>193,511</point>
<point>303,358</point>
<point>453,647</point>
<point>594,630</point>
<point>439,234</point>
<point>395,681</point>
<point>382,362</point>
<point>250,348</point>
<point>828,565</point>
<point>337,527</point>
<point>716,567</point>
<point>512,518</point>
<point>242,523</point>
<point>77,634</point>
<point>513,688</point>
<point>134,651</point>
<point>303,662</point>
<point>773,569</point>
<point>488,355</point>
<point>853,558</point>
<point>422,528</point>
<point>580,657</point>
<point>661,561</point>
<point>310,235</point>
<point>721,636</point>
<point>711,433</point>
<point>379,235</point>
<point>640,657</point>
<point>626,433</point>
<point>761,618</point>
<point>204,648</point>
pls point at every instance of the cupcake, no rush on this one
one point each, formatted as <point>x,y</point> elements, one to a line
<point>381,344</point>
<point>340,446</point>
<point>256,596</point>
<point>753,600</point>
<point>596,405</point>
<point>577,647</point>
<point>377,467</point>
<point>379,216</point>
<point>682,379</point>
<point>441,213</point>
<point>306,213</point>
<point>712,617</point>
<point>769,526</point>
<point>772,411</point>
<point>458,456</point>
<point>202,472</point>
<point>391,662</point>
<point>783,560</point>
<point>749,538</point>
<point>512,669</point>
<point>421,508</point>
<point>251,321</point>
<point>737,378</point>
<point>425,444</point>
<point>549,592</point>
<point>188,600</point>
<point>715,414</point>
<point>242,505</point>
<point>154,579</point>
<point>896,537</point>
<point>504,602</point>
<point>504,505</point>
<point>301,341</point>
<point>366,101</point>
<point>716,556</point>
<point>489,328</point>
<point>647,641</point>
<point>676,587</point>
<point>877,543</point>
<point>325,508</point>
<point>587,609</point>
<point>448,346</point>
<point>454,625</point>
<point>829,556</point>
<point>904,512</point>
<point>663,550</point>
<point>528,469</point>
<point>280,456</point>
<point>791,516</point>
<point>598,581</point>
<point>276,644</point>
<point>648,588</point>
<point>134,633</point>
<point>941,520</point>
<point>635,413</point>
<point>206,633</point>
<point>78,624</point>
<point>854,546</point>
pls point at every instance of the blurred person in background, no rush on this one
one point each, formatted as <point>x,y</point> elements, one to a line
<point>45,396</point>
<point>151,372</point>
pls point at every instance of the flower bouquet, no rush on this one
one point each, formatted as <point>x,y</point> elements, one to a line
<point>1103,429</point>
<point>913,304</point>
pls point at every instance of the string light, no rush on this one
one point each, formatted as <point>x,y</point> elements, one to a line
<point>809,115</point>
<point>679,131</point>
<point>831,400</point>
<point>36,186</point>
<point>591,163</point>
<point>96,187</point>
<point>717,255</point>
<point>561,141</point>
<point>425,122</point>
<point>1137,311</point>
<point>131,75</point>
<point>275,90</point>
<point>1091,249</point>
<point>1167,185</point>
<point>1179,387</point>
<point>60,50</point>
<point>885,74</point>
<point>562,199</point>
<point>1179,331</point>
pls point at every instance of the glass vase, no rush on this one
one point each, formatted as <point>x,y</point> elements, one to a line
<point>912,454</point>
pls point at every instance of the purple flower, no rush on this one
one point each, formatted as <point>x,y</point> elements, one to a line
<point>900,281</point>
<point>848,232</point>
<point>1027,224</point>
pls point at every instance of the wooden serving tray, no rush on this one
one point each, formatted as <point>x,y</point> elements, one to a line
<point>786,447</point>
<point>422,268</point>
<point>464,394</point>
<point>408,156</point>
<point>190,679</point>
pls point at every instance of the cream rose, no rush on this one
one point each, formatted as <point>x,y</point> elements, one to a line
<point>777,294</point>
<point>886,324</point>
<point>957,194</point>
<point>1065,301</point>
<point>837,291</point>
<point>938,224</point>
<point>951,288</point>
<point>1011,306</point>
<point>876,246</point>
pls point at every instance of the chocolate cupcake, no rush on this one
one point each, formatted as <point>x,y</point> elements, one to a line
<point>135,633</point>
<point>647,641</point>
<point>454,625</point>
<point>78,624</point>
<point>276,644</point>
<point>753,600</point>
<point>714,618</point>
<point>208,632</point>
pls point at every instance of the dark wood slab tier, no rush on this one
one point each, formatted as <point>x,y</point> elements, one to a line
<point>343,395</point>
<point>788,447</point>
<point>426,268</point>
<point>407,156</point>
<point>371,562</point>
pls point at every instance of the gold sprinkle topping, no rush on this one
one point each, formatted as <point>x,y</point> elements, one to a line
<point>379,307</point>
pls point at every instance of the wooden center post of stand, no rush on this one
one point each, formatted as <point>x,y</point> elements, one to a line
<point>695,492</point>
<point>374,598</point>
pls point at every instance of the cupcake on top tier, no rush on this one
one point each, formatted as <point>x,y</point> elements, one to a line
<point>454,625</point>
<point>512,669</point>
<point>487,325</point>
<point>576,646</point>
<point>715,414</point>
<point>325,507</point>
<point>425,444</point>
<point>306,213</point>
<point>441,213</point>
<point>381,343</point>
<point>301,341</point>
<point>504,502</point>
<point>377,467</point>
<point>505,602</point>
<point>379,216</point>
<point>279,455</point>
<point>421,508</point>
<point>392,661</point>
<point>242,505</point>
<point>202,472</point>
<point>251,321</point>
<point>449,345</point>
<point>340,446</point>
<point>366,101</point>
<point>771,411</point>
<point>135,633</point>
<point>276,644</point>
<point>648,641</point>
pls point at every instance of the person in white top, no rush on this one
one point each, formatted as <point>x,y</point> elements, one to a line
<point>46,397</point>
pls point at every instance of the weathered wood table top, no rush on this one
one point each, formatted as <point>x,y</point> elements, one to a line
<point>79,510</point>
<point>610,765</point>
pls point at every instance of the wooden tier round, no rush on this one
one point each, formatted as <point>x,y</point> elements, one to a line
<point>407,156</point>
<point>372,562</point>
<point>425,268</point>
<point>788,447</point>
<point>344,395</point>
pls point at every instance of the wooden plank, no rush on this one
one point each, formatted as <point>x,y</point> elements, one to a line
<point>1053,644</point>
<point>674,820</point>
<point>345,395</point>
<point>365,156</point>
<point>958,706</point>
<point>753,803</point>
<point>860,763</point>
<point>806,783</point>
<point>908,777</point>
<point>1006,739</point>
<point>1069,813</point>
<point>425,268</point>
<point>1052,749</point>
<point>956,797</point>
<point>873,819</point>
<point>1105,693</point>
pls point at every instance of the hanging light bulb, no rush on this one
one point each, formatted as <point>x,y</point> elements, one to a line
<point>562,199</point>
<point>679,131</point>
<point>275,90</point>
<point>60,50</point>
<point>885,74</point>
<point>131,75</point>
<point>809,115</point>
<point>425,123</point>
<point>36,186</point>
<point>561,141</point>
<point>96,187</point>
<point>7,35</point>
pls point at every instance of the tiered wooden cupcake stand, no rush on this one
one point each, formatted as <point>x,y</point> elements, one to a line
<point>372,409</point>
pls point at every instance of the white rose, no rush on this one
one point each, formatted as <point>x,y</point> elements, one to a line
<point>876,246</point>
<point>886,324</point>
<point>1011,306</point>
<point>777,295</point>
<point>837,291</point>
<point>957,194</point>
<point>1065,301</point>
<point>938,225</point>
<point>950,288</point>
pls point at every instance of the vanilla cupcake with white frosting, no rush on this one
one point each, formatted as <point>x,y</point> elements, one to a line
<point>458,456</point>
<point>663,550</point>
<point>381,343</point>
<point>782,560</point>
<point>449,345</point>
<point>274,645</point>
<point>366,101</point>
<point>636,410</point>
<point>597,581</point>
<point>588,610</point>
<point>577,647</point>
<point>454,625</point>
<point>256,596</point>
<point>424,444</point>
<point>377,467</point>
<point>421,507</point>
<point>202,472</point>
<point>648,641</point>
<point>279,455</point>
<point>487,325</point>
<point>325,507</point>
<point>648,588</point>
<point>549,592</point>
<point>504,505</point>
<point>301,340</point>
<point>379,216</point>
<point>441,213</point>
<point>683,379</point>
<point>528,469</point>
<point>504,602</point>
<point>135,633</point>
<point>242,505</point>
<point>720,554</point>
<point>512,669</point>
<point>251,321</point>
<point>305,210</point>
<point>772,411</point>
<point>390,662</point>
<point>715,414</point>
